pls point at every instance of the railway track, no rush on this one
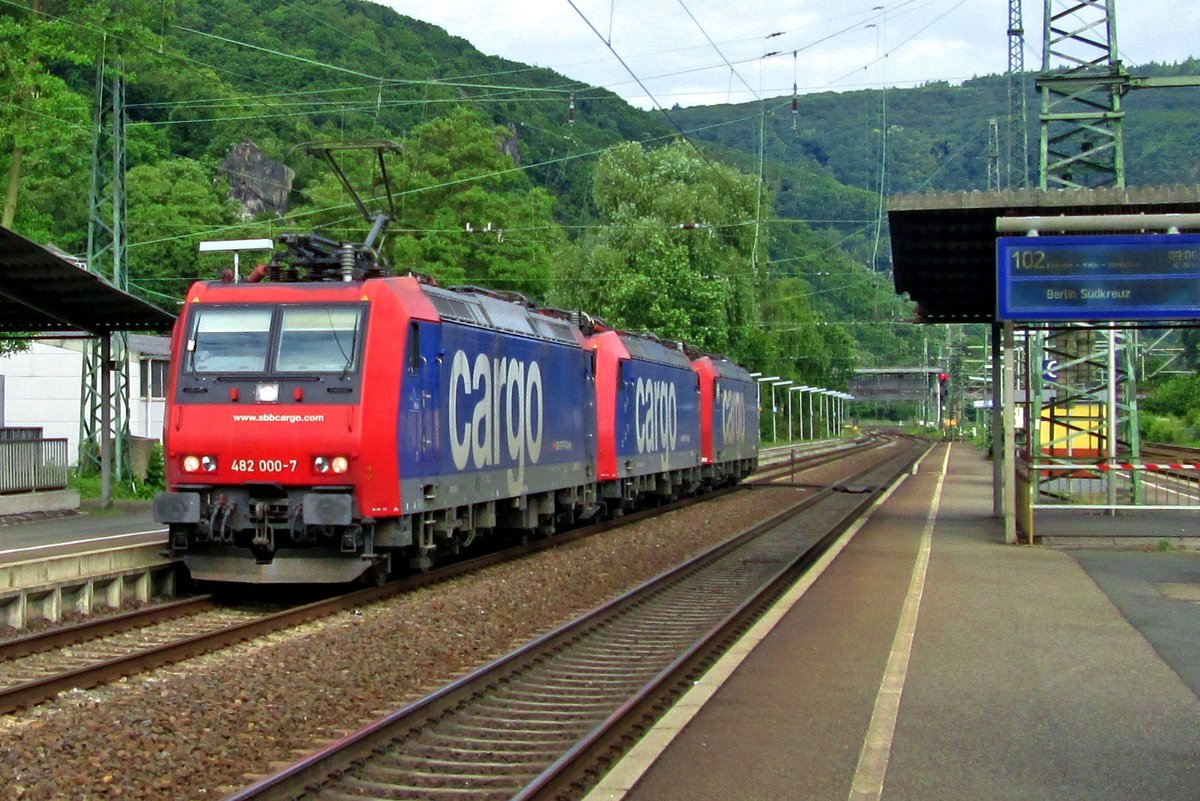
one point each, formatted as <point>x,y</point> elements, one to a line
<point>539,722</point>
<point>1173,455</point>
<point>37,667</point>
<point>777,463</point>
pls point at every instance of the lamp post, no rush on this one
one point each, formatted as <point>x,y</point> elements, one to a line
<point>825,393</point>
<point>840,417</point>
<point>812,424</point>
<point>790,391</point>
<point>761,379</point>
<point>775,410</point>
<point>774,415</point>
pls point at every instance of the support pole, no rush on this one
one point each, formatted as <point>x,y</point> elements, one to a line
<point>997,433</point>
<point>106,440</point>
<point>774,419</point>
<point>789,415</point>
<point>1010,445</point>
<point>1111,420</point>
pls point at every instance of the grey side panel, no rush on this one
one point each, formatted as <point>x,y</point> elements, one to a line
<point>658,463</point>
<point>456,489</point>
<point>328,509</point>
<point>177,507</point>
<point>290,566</point>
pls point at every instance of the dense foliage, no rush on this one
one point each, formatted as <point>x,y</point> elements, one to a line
<point>504,175</point>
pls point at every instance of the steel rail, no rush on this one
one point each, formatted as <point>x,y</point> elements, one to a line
<point>591,755</point>
<point>38,690</point>
<point>772,473</point>
<point>94,629</point>
<point>100,672</point>
<point>303,778</point>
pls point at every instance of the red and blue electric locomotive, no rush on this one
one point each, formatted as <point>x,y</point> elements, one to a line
<point>320,431</point>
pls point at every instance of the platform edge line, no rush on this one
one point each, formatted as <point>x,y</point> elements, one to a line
<point>871,771</point>
<point>628,771</point>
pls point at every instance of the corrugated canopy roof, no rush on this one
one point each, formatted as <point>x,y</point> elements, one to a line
<point>41,292</point>
<point>944,245</point>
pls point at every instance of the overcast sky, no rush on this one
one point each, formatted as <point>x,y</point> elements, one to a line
<point>696,52</point>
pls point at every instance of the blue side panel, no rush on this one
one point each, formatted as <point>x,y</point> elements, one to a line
<point>419,401</point>
<point>497,403</point>
<point>658,416</point>
<point>735,419</point>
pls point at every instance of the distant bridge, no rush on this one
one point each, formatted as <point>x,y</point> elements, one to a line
<point>894,383</point>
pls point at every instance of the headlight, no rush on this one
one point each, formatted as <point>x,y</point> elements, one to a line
<point>194,464</point>
<point>330,464</point>
<point>266,393</point>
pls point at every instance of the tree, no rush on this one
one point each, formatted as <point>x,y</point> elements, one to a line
<point>169,202</point>
<point>465,212</point>
<point>470,213</point>
<point>673,253</point>
<point>1178,395</point>
<point>39,106</point>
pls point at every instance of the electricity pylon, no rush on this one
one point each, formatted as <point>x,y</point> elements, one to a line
<point>106,256</point>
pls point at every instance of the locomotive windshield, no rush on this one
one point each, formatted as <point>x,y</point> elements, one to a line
<point>319,340</point>
<point>231,340</point>
<point>289,339</point>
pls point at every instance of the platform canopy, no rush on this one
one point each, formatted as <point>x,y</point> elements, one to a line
<point>944,245</point>
<point>41,292</point>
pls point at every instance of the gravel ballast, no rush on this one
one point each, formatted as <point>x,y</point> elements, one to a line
<point>201,728</point>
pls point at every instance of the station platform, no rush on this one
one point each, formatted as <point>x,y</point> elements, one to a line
<point>930,661</point>
<point>24,537</point>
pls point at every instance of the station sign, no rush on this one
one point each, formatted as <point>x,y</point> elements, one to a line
<point>1098,278</point>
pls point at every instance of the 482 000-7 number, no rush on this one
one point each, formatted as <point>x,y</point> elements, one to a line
<point>263,465</point>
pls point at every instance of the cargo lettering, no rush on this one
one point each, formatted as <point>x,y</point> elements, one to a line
<point>507,414</point>
<point>655,415</point>
<point>733,416</point>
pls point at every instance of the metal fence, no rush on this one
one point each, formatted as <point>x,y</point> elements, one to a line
<point>12,433</point>
<point>32,464</point>
<point>1118,485</point>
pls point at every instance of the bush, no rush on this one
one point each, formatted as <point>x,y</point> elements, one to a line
<point>88,482</point>
<point>1178,396</point>
<point>156,473</point>
<point>1166,430</point>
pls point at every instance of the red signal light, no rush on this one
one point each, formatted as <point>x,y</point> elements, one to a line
<point>943,377</point>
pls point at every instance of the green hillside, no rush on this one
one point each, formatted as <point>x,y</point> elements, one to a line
<point>506,175</point>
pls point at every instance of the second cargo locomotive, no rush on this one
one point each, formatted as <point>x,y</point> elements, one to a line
<point>321,431</point>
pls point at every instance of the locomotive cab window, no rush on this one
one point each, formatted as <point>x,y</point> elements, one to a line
<point>230,341</point>
<point>318,340</point>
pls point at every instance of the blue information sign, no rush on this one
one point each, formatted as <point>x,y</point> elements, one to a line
<point>1098,278</point>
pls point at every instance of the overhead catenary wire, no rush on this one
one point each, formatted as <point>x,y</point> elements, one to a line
<point>375,81</point>
<point>364,106</point>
